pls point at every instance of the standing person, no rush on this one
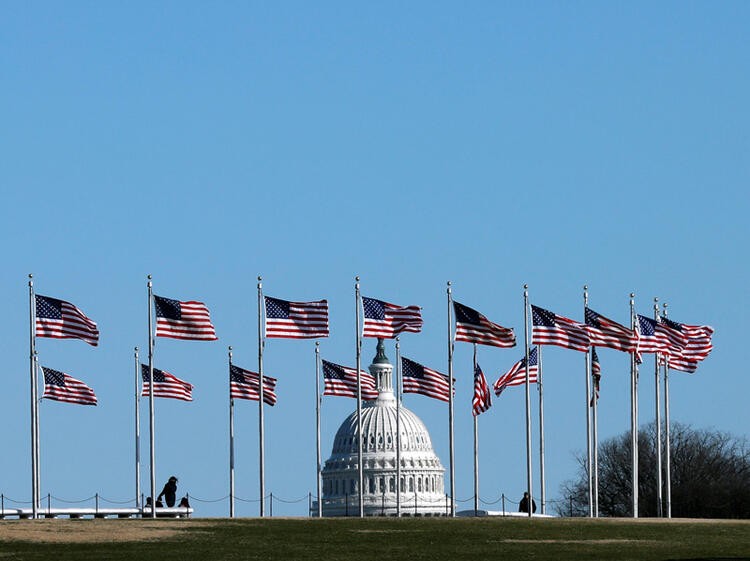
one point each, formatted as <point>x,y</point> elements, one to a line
<point>523,506</point>
<point>169,492</point>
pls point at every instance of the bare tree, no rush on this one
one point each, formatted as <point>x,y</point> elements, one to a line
<point>710,476</point>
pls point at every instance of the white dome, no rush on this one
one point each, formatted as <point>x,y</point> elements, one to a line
<point>422,473</point>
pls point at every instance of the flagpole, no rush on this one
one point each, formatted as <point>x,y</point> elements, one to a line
<point>398,427</point>
<point>231,438</point>
<point>317,428</point>
<point>542,476</point>
<point>33,397</point>
<point>450,401</point>
<point>667,443</point>
<point>261,441</point>
<point>476,447</point>
<point>587,377</point>
<point>360,468</point>
<point>528,397</point>
<point>137,430</point>
<point>634,414</point>
<point>151,396</point>
<point>595,449</point>
<point>657,399</point>
<point>38,429</point>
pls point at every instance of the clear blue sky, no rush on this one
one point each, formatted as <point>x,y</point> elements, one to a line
<point>491,144</point>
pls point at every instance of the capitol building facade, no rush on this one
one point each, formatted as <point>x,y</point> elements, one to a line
<point>421,476</point>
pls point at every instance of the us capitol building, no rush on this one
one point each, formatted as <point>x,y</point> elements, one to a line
<point>422,474</point>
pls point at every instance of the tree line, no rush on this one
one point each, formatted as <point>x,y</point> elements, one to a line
<point>710,476</point>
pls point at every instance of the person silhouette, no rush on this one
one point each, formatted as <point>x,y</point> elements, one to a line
<point>169,492</point>
<point>523,506</point>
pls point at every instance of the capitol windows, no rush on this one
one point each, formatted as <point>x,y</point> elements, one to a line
<point>352,487</point>
<point>411,484</point>
<point>372,485</point>
<point>392,484</point>
<point>382,485</point>
<point>419,484</point>
<point>403,485</point>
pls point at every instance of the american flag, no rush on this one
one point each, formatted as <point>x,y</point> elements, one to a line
<point>422,380</point>
<point>604,332</point>
<point>596,374</point>
<point>697,348</point>
<point>386,320</point>
<point>516,376</point>
<point>243,384</point>
<point>166,385</point>
<point>342,381</point>
<point>473,327</point>
<point>183,320</point>
<point>551,329</point>
<point>62,320</point>
<point>482,400</point>
<point>296,320</point>
<point>58,386</point>
<point>655,336</point>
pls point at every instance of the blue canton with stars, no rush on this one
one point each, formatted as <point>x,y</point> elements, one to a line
<point>54,377</point>
<point>331,370</point>
<point>542,317</point>
<point>648,326</point>
<point>48,308</point>
<point>275,308</point>
<point>374,309</point>
<point>412,369</point>
<point>464,314</point>
<point>167,308</point>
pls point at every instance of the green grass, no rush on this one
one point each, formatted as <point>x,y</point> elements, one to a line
<point>413,539</point>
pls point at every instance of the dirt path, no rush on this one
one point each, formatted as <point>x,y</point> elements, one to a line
<point>93,531</point>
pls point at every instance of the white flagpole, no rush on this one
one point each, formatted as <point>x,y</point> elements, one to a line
<point>360,467</point>
<point>261,435</point>
<point>450,400</point>
<point>33,398</point>
<point>38,430</point>
<point>151,396</point>
<point>476,447</point>
<point>667,443</point>
<point>231,438</point>
<point>657,399</point>
<point>137,375</point>
<point>587,377</point>
<point>595,448</point>
<point>398,427</point>
<point>529,489</point>
<point>542,476</point>
<point>317,429</point>
<point>634,413</point>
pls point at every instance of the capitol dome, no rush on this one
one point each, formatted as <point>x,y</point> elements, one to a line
<point>422,473</point>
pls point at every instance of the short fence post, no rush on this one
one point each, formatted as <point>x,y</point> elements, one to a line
<point>503,497</point>
<point>346,504</point>
<point>270,513</point>
<point>49,503</point>
<point>382,506</point>
<point>309,504</point>
<point>2,504</point>
<point>97,502</point>
<point>571,506</point>
<point>415,502</point>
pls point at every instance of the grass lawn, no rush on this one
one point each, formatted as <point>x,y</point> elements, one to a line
<point>374,538</point>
